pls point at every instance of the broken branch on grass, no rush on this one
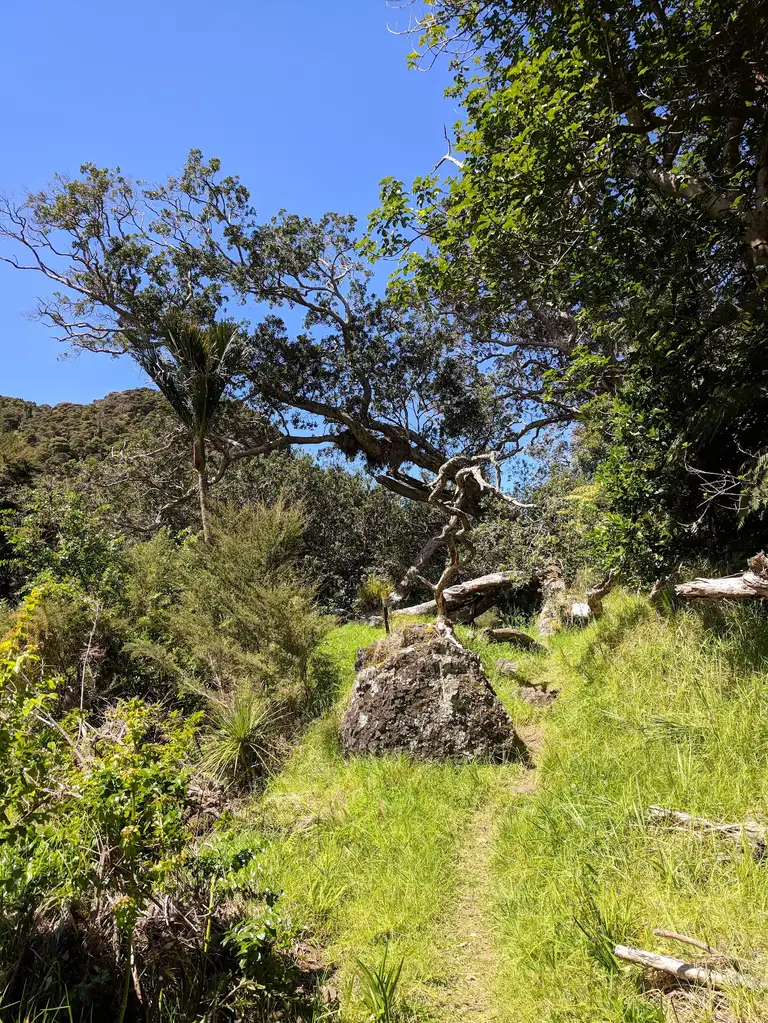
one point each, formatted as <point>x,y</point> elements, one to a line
<point>755,835</point>
<point>720,980</point>
<point>749,585</point>
<point>685,940</point>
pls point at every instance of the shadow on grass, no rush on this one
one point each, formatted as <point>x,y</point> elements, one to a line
<point>739,631</point>
<point>609,634</point>
<point>326,686</point>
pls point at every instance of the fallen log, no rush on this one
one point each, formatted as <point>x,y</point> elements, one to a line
<point>755,835</point>
<point>749,585</point>
<point>720,980</point>
<point>485,586</point>
<point>516,636</point>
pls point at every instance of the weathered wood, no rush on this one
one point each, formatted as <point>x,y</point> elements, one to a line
<point>580,613</point>
<point>537,696</point>
<point>755,835</point>
<point>516,636</point>
<point>455,596</point>
<point>597,593</point>
<point>720,980</point>
<point>553,608</point>
<point>505,667</point>
<point>749,585</point>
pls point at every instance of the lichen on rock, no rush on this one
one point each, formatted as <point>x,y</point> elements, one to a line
<point>421,692</point>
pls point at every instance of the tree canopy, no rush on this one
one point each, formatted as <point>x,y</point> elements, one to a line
<point>607,195</point>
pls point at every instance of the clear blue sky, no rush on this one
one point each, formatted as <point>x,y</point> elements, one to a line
<point>310,102</point>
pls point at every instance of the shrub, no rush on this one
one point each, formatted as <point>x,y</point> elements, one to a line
<point>59,537</point>
<point>246,611</point>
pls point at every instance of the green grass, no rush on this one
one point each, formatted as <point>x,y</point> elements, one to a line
<point>654,709</point>
<point>366,849</point>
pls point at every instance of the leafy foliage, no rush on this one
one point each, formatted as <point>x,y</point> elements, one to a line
<point>608,217</point>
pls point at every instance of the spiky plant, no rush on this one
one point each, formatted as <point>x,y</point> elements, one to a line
<point>379,983</point>
<point>240,743</point>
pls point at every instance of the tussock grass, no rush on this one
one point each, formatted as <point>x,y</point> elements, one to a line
<point>655,709</point>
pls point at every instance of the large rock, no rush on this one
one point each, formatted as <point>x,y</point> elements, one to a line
<point>421,692</point>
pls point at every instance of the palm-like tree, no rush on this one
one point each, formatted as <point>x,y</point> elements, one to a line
<point>192,365</point>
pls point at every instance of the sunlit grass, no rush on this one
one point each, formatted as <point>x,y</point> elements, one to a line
<point>654,710</point>
<point>366,849</point>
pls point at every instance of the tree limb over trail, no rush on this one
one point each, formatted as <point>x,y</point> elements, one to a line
<point>749,585</point>
<point>408,387</point>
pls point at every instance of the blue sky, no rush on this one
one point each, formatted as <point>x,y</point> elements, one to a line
<point>309,102</point>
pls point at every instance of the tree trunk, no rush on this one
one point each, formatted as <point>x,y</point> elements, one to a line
<point>449,572</point>
<point>749,585</point>
<point>553,608</point>
<point>198,453</point>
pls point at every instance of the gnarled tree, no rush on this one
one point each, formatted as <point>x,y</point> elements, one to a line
<point>406,388</point>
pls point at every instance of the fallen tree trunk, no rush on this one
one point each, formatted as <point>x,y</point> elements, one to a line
<point>483,587</point>
<point>755,835</point>
<point>749,585</point>
<point>516,636</point>
<point>720,980</point>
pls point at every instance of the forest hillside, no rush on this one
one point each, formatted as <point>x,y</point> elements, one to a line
<point>399,652</point>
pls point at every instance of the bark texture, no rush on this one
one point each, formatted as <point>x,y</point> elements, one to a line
<point>749,585</point>
<point>516,636</point>
<point>721,980</point>
<point>553,610</point>
<point>478,591</point>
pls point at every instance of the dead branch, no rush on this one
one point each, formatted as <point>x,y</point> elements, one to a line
<point>749,585</point>
<point>753,834</point>
<point>516,636</point>
<point>685,940</point>
<point>720,980</point>
<point>596,594</point>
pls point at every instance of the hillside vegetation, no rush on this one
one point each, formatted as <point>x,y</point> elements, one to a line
<point>654,709</point>
<point>212,810</point>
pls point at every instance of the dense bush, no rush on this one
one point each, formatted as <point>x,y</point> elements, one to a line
<point>114,900</point>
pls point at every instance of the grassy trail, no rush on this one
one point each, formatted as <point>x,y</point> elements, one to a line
<point>468,995</point>
<point>383,853</point>
<point>505,889</point>
<point>470,949</point>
